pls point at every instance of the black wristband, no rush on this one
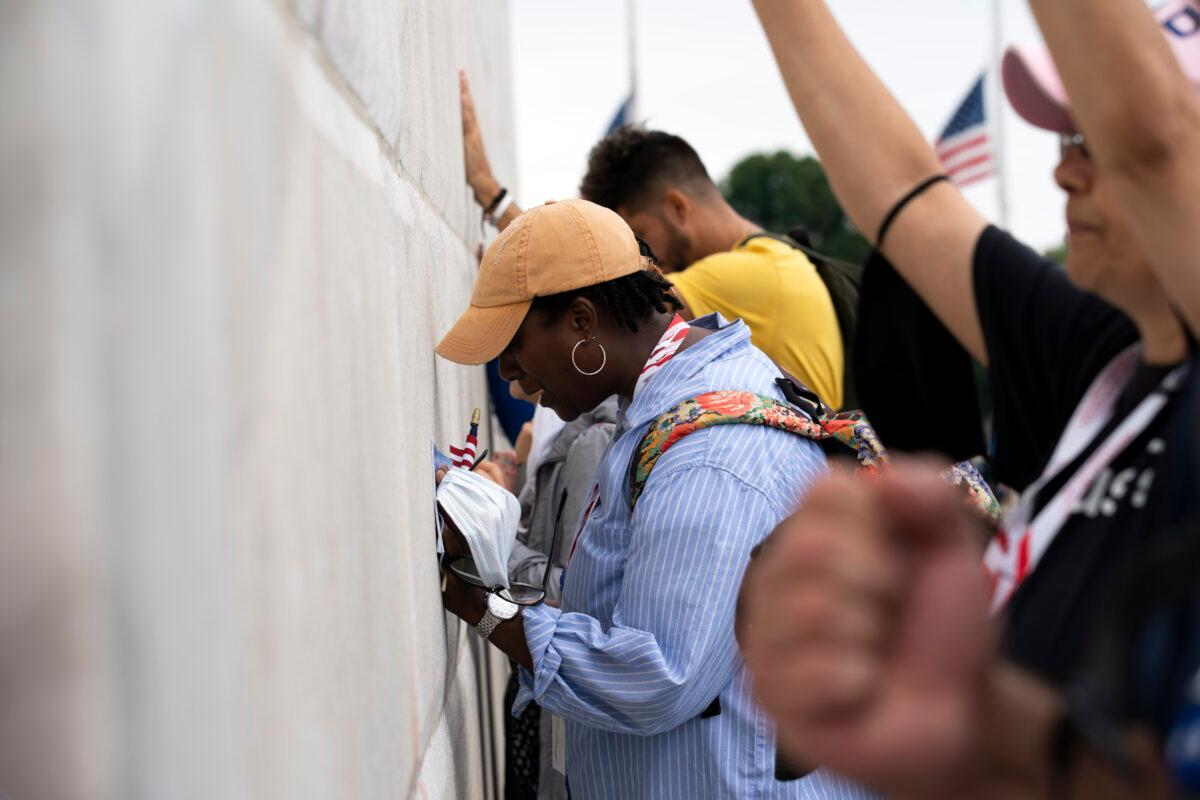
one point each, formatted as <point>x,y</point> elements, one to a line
<point>913,194</point>
<point>495,202</point>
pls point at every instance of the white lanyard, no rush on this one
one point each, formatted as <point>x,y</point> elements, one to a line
<point>1017,547</point>
<point>664,351</point>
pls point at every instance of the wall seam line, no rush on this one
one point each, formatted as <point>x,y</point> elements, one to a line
<point>355,103</point>
<point>341,85</point>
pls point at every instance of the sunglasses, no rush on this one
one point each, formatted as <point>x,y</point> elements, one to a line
<point>523,594</point>
<point>1073,141</point>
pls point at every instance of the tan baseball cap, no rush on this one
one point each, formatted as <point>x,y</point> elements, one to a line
<point>556,247</point>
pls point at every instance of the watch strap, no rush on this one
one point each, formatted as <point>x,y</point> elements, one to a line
<point>488,624</point>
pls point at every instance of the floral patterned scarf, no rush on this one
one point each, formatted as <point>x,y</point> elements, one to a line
<point>851,428</point>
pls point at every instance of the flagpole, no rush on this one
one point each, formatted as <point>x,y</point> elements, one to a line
<point>996,96</point>
<point>631,25</point>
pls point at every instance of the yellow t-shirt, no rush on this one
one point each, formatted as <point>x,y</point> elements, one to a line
<point>776,291</point>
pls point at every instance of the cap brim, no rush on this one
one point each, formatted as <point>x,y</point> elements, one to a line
<point>481,334</point>
<point>1033,87</point>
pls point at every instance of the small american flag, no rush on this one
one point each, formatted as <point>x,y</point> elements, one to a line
<point>465,456</point>
<point>964,147</point>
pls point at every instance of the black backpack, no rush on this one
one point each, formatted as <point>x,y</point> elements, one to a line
<point>843,280</point>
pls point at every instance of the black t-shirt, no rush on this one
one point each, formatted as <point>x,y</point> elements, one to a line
<point>1144,666</point>
<point>1046,342</point>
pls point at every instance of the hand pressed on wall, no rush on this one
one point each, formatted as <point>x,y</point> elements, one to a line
<point>479,171</point>
<point>468,602</point>
<point>452,539</point>
<point>483,183</point>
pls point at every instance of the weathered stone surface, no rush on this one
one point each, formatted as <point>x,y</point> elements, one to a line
<point>232,231</point>
<point>405,71</point>
<point>307,11</point>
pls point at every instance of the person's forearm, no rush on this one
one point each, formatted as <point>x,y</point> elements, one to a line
<point>1018,724</point>
<point>512,212</point>
<point>1142,122</point>
<point>468,603</point>
<point>509,636</point>
<point>659,699</point>
<point>871,150</point>
<point>1127,92</point>
<point>874,155</point>
<point>485,188</point>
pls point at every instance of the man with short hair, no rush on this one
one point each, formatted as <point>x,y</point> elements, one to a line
<point>717,260</point>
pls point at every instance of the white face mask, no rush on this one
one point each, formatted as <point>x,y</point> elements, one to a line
<point>487,515</point>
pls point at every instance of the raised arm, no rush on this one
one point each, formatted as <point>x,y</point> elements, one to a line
<point>874,154</point>
<point>1142,123</point>
<point>479,170</point>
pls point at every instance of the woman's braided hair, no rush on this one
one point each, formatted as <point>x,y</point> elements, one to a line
<point>632,298</point>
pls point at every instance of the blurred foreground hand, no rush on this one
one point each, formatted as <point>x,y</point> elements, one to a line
<point>864,621</point>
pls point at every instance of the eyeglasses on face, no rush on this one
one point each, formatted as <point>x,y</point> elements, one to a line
<point>1073,141</point>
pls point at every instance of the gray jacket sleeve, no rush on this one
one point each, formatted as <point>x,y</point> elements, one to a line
<point>525,565</point>
<point>576,475</point>
<point>525,562</point>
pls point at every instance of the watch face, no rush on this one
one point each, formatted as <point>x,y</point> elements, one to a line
<point>500,607</point>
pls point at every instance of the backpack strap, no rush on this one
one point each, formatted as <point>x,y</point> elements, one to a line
<point>979,495</point>
<point>747,408</point>
<point>843,280</point>
<point>849,428</point>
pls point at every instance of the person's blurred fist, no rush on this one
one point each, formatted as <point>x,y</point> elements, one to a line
<point>863,619</point>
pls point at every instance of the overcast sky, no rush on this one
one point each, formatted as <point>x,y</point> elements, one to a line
<point>706,73</point>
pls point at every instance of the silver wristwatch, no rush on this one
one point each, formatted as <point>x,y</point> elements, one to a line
<point>498,610</point>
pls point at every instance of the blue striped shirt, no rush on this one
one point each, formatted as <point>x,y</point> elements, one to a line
<point>643,642</point>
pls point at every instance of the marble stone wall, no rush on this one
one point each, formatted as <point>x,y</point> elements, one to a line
<point>231,232</point>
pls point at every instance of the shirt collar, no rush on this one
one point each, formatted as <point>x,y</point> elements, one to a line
<point>664,388</point>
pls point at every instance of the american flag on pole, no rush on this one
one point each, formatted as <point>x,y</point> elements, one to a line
<point>465,456</point>
<point>964,147</point>
<point>623,116</point>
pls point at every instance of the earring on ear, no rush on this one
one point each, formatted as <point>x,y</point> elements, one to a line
<point>603,357</point>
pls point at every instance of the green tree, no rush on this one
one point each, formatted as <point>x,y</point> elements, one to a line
<point>780,191</point>
<point>1058,254</point>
